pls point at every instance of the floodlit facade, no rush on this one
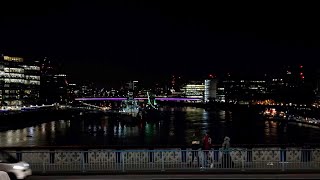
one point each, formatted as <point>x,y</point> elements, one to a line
<point>205,90</point>
<point>193,90</point>
<point>210,91</point>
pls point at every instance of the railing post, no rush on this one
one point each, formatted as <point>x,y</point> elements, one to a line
<point>203,160</point>
<point>162,161</point>
<point>122,160</point>
<point>44,162</point>
<point>283,158</point>
<point>83,166</point>
<point>183,155</point>
<point>19,155</point>
<point>243,160</point>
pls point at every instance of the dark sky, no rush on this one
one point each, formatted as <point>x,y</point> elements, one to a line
<point>119,40</point>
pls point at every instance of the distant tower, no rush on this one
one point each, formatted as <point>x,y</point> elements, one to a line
<point>301,74</point>
<point>173,81</point>
<point>210,91</point>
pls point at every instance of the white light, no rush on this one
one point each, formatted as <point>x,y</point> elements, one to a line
<point>18,167</point>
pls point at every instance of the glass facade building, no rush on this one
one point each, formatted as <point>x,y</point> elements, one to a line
<point>19,82</point>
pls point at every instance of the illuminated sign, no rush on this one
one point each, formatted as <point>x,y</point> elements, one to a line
<point>15,59</point>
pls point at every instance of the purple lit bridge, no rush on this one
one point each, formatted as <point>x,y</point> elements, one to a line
<point>122,99</point>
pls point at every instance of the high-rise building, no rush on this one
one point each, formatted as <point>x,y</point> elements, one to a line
<point>31,93</point>
<point>60,88</point>
<point>242,90</point>
<point>19,82</point>
<point>210,91</point>
<point>47,89</point>
<point>54,86</point>
<point>73,91</point>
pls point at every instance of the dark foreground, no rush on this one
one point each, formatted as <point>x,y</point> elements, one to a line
<point>181,176</point>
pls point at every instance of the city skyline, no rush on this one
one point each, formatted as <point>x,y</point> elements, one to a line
<point>127,40</point>
<point>133,86</point>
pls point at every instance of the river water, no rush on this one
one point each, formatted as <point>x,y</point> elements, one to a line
<point>172,126</point>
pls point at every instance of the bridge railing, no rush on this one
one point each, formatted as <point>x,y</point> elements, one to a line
<point>105,161</point>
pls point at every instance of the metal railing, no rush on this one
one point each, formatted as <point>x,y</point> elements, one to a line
<point>103,161</point>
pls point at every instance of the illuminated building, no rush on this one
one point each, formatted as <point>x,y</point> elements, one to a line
<point>73,91</point>
<point>206,90</point>
<point>31,93</point>
<point>87,91</point>
<point>193,90</point>
<point>221,97</point>
<point>243,91</point>
<point>47,89</point>
<point>19,82</point>
<point>61,88</point>
<point>54,86</point>
<point>210,91</point>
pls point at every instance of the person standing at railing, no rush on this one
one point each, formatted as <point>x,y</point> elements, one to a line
<point>226,160</point>
<point>207,145</point>
<point>195,145</point>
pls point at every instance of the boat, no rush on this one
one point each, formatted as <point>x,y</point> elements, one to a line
<point>272,114</point>
<point>304,120</point>
<point>130,107</point>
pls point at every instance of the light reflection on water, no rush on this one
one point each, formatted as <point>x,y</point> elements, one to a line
<point>174,126</point>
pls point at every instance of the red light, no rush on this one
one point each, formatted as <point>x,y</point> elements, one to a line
<point>301,66</point>
<point>302,77</point>
<point>210,75</point>
<point>301,73</point>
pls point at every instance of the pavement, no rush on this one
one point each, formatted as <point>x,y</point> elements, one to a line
<point>180,176</point>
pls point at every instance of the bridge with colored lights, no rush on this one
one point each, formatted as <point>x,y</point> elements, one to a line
<point>139,98</point>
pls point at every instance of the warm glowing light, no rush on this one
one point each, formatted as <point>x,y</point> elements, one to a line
<point>15,59</point>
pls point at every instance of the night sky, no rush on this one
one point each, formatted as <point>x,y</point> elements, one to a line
<point>113,41</point>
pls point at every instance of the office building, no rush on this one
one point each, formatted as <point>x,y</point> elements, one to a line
<point>19,82</point>
<point>243,91</point>
<point>193,90</point>
<point>54,85</point>
<point>210,91</point>
<point>60,88</point>
<point>31,94</point>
